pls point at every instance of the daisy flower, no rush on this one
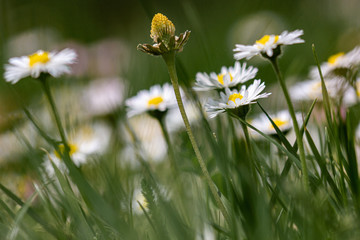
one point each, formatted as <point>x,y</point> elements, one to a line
<point>267,45</point>
<point>339,64</point>
<point>282,120</point>
<point>311,89</point>
<point>139,198</point>
<point>88,140</point>
<point>234,100</point>
<point>156,99</point>
<point>227,78</point>
<point>54,63</point>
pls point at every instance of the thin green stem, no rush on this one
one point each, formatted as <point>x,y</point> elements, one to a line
<point>169,59</point>
<point>305,177</point>
<point>251,161</point>
<point>168,142</point>
<point>46,87</point>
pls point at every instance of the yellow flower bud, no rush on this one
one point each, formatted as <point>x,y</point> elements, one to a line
<point>162,29</point>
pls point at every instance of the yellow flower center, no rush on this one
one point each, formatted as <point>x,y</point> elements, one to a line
<point>155,101</point>
<point>266,38</point>
<point>235,96</point>
<point>278,122</point>
<point>73,149</point>
<point>37,58</point>
<point>221,78</point>
<point>161,27</point>
<point>334,58</point>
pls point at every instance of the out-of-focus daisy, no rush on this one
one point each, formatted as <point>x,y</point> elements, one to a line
<point>311,89</point>
<point>54,63</point>
<point>267,45</point>
<point>352,95</point>
<point>340,64</point>
<point>174,121</point>
<point>103,96</point>
<point>282,120</point>
<point>234,100</point>
<point>207,234</point>
<point>88,140</point>
<point>138,198</point>
<point>227,78</point>
<point>152,145</point>
<point>157,98</point>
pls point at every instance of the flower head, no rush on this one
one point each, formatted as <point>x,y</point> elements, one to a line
<point>227,78</point>
<point>53,63</point>
<point>312,89</point>
<point>235,100</point>
<point>86,141</point>
<point>268,46</point>
<point>282,120</point>
<point>163,33</point>
<point>340,64</point>
<point>156,99</point>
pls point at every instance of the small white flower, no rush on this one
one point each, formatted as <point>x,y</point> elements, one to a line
<point>311,89</point>
<point>54,63</point>
<point>157,98</point>
<point>88,140</point>
<point>138,198</point>
<point>282,120</point>
<point>267,44</point>
<point>338,64</point>
<point>227,78</point>
<point>174,121</point>
<point>235,99</point>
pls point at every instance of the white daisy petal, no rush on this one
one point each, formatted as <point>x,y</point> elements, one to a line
<point>267,44</point>
<point>157,98</point>
<point>233,99</point>
<point>227,78</point>
<point>56,64</point>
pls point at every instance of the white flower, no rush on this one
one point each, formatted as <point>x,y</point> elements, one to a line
<point>103,96</point>
<point>352,96</point>
<point>88,140</point>
<point>54,63</point>
<point>267,44</point>
<point>311,89</point>
<point>338,64</point>
<point>235,99</point>
<point>157,98</point>
<point>174,121</point>
<point>138,198</point>
<point>227,78</point>
<point>282,120</point>
<point>152,145</point>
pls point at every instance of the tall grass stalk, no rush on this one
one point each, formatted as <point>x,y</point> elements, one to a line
<point>169,59</point>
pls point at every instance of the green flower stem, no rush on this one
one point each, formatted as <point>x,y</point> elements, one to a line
<point>46,87</point>
<point>248,148</point>
<point>305,177</point>
<point>168,142</point>
<point>169,59</point>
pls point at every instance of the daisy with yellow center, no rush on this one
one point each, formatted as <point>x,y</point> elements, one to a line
<point>158,98</point>
<point>234,99</point>
<point>84,142</point>
<point>311,89</point>
<point>227,78</point>
<point>281,119</point>
<point>53,63</point>
<point>266,45</point>
<point>340,64</point>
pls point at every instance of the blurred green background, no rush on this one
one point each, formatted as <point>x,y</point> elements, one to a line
<point>113,29</point>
